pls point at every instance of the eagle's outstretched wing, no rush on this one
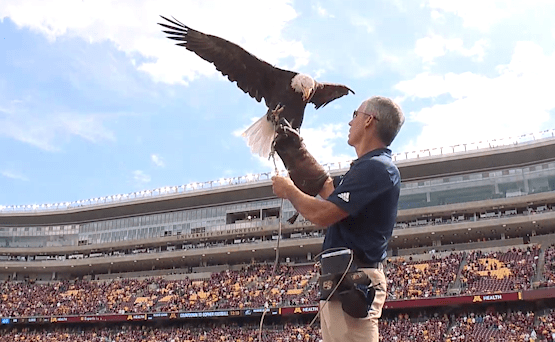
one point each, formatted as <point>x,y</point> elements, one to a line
<point>327,92</point>
<point>254,76</point>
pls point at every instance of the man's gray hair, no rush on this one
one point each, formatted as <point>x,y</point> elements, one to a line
<point>389,115</point>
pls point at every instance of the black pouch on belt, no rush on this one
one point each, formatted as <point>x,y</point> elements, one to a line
<point>358,294</point>
<point>333,266</point>
<point>355,291</point>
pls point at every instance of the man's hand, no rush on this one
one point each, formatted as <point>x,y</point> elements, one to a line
<point>281,186</point>
<point>316,210</point>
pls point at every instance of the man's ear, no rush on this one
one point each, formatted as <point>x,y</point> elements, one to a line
<point>368,121</point>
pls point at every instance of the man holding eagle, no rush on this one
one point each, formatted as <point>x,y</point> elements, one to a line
<point>359,208</point>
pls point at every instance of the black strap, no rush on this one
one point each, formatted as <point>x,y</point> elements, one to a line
<point>362,264</point>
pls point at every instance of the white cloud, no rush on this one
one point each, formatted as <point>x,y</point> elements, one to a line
<point>322,11</point>
<point>426,85</point>
<point>364,22</point>
<point>157,160</point>
<point>319,73</point>
<point>429,48</point>
<point>516,101</point>
<point>436,15</point>
<point>132,27</point>
<point>46,131</point>
<point>320,142</point>
<point>482,14</point>
<point>140,177</point>
<point>14,175</point>
<point>399,5</point>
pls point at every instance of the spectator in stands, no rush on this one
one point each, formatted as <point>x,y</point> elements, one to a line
<point>360,211</point>
<point>488,272</point>
<point>417,279</point>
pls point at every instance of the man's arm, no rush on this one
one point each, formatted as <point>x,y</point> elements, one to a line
<point>327,188</point>
<point>316,210</point>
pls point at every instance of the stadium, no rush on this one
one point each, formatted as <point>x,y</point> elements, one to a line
<point>471,257</point>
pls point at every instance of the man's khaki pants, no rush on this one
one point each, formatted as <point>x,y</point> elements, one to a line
<point>338,326</point>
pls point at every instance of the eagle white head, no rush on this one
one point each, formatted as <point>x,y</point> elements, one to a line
<point>304,84</point>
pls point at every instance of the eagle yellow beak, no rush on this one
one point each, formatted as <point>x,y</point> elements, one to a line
<point>307,94</point>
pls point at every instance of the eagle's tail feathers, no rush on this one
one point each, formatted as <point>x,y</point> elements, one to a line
<point>259,137</point>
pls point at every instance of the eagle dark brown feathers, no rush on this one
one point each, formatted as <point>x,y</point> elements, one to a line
<point>253,76</point>
<point>279,88</point>
<point>327,92</point>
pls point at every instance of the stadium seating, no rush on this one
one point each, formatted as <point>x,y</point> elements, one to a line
<point>549,268</point>
<point>500,272</point>
<point>545,327</point>
<point>422,279</point>
<point>186,333</point>
<point>402,329</point>
<point>514,326</point>
<point>253,286</point>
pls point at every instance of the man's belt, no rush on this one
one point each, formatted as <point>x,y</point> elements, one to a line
<point>363,264</point>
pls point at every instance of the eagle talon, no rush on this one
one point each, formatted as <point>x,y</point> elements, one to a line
<point>284,123</point>
<point>286,129</point>
<point>274,115</point>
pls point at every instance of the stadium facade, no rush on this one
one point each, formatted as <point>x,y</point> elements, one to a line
<point>463,197</point>
<point>471,257</point>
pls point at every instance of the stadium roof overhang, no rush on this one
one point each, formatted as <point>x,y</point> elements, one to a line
<point>424,167</point>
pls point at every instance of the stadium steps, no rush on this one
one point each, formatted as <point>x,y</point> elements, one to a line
<point>540,269</point>
<point>452,324</point>
<point>455,287</point>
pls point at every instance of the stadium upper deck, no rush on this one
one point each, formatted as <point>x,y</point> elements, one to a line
<point>448,196</point>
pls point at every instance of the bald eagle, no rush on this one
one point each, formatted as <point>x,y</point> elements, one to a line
<point>286,93</point>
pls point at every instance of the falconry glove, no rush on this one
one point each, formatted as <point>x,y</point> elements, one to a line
<point>304,170</point>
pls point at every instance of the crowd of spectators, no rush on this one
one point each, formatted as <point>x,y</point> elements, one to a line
<point>423,329</point>
<point>545,328</point>
<point>508,327</point>
<point>215,332</point>
<point>549,268</point>
<point>255,285</point>
<point>511,326</point>
<point>492,272</point>
<point>407,279</point>
<point>251,287</point>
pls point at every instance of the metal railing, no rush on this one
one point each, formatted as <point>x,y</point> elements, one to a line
<point>253,178</point>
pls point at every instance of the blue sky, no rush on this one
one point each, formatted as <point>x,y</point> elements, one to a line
<point>95,101</point>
